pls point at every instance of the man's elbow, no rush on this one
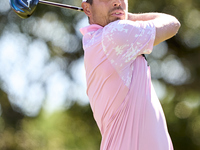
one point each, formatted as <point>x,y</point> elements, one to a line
<point>176,25</point>
<point>166,29</point>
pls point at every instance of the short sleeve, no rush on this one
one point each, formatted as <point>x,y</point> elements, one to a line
<point>127,39</point>
<point>124,40</point>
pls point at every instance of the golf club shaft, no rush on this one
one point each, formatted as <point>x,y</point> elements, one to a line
<point>60,5</point>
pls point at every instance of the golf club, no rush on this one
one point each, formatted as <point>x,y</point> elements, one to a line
<point>25,8</point>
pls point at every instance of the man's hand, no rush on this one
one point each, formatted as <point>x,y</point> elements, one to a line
<point>166,25</point>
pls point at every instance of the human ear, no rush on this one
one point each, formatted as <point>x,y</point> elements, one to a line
<point>86,8</point>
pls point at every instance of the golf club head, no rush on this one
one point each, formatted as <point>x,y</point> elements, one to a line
<point>24,8</point>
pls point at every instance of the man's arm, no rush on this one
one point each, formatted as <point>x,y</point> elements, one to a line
<point>166,25</point>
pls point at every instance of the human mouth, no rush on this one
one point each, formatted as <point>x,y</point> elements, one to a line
<point>117,13</point>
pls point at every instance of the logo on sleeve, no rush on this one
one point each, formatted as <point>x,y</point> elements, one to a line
<point>27,3</point>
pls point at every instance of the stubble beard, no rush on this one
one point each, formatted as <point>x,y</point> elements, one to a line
<point>109,17</point>
<point>112,20</point>
<point>116,18</point>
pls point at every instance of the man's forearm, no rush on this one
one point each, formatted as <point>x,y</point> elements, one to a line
<point>144,16</point>
<point>166,25</point>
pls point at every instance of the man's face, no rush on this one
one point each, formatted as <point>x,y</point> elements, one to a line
<point>102,12</point>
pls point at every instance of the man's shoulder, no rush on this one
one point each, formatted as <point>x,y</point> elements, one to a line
<point>121,26</point>
<point>127,26</point>
<point>128,23</point>
<point>90,28</point>
<point>118,23</point>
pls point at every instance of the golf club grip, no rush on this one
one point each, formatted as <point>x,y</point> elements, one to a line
<point>60,5</point>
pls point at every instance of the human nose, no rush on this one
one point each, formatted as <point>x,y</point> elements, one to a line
<point>117,3</point>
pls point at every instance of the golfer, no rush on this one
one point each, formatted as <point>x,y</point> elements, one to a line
<point>124,103</point>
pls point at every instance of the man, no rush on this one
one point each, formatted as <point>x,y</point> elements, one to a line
<point>125,106</point>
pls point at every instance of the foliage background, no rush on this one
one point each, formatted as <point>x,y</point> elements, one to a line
<point>43,104</point>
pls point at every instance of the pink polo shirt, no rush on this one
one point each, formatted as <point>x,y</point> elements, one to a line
<point>124,103</point>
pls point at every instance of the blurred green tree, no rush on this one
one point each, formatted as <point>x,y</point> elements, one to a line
<point>175,72</point>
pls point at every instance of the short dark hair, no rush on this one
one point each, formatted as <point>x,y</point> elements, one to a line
<point>89,1</point>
